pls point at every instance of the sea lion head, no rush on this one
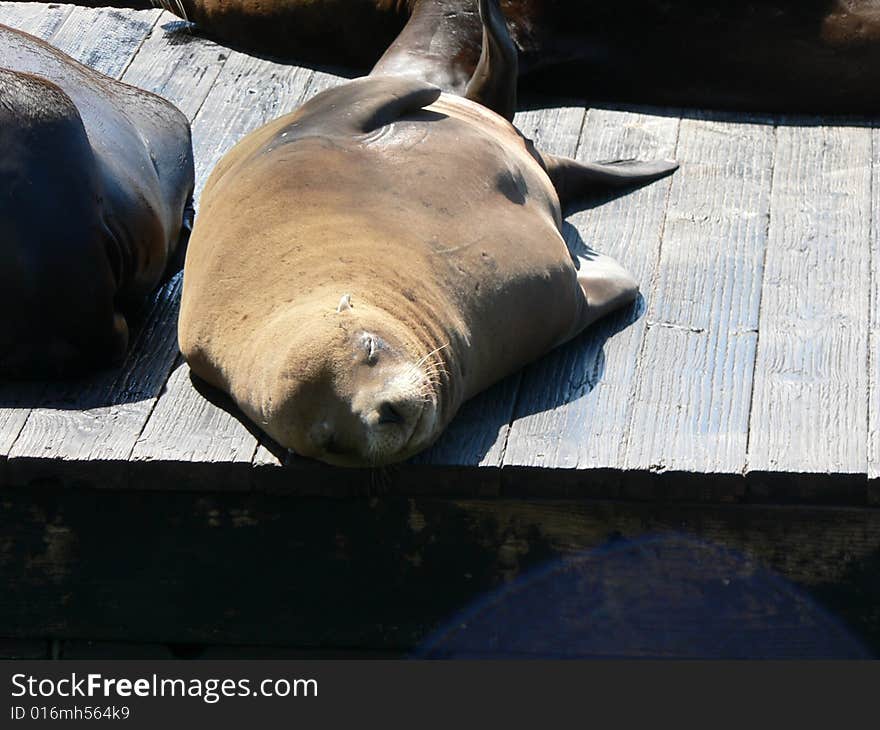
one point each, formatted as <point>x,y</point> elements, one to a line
<point>355,388</point>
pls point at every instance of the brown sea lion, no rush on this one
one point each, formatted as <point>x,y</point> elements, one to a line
<point>789,55</point>
<point>95,178</point>
<point>363,265</point>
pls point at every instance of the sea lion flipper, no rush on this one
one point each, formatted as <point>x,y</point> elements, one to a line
<point>606,285</point>
<point>493,83</point>
<point>177,257</point>
<point>391,98</point>
<point>365,104</point>
<point>441,43</point>
<point>573,179</point>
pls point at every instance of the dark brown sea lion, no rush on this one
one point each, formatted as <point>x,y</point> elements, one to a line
<point>790,55</point>
<point>95,178</point>
<point>363,265</point>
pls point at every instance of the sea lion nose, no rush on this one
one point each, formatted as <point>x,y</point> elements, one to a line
<point>390,413</point>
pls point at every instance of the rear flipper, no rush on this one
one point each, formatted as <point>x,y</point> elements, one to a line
<point>494,81</point>
<point>463,52</point>
<point>177,259</point>
<point>440,44</point>
<point>606,285</point>
<point>574,180</point>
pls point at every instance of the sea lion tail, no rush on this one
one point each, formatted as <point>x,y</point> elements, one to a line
<point>573,179</point>
<point>493,83</point>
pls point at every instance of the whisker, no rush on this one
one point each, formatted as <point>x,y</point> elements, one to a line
<point>182,9</point>
<point>433,352</point>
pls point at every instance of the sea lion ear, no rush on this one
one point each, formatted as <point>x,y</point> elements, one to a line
<point>344,304</point>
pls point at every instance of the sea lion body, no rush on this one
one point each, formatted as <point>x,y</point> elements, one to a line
<point>445,218</point>
<point>95,178</point>
<point>760,55</point>
<point>362,266</point>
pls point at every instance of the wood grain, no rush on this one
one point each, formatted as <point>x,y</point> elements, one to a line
<point>191,428</point>
<point>874,352</point>
<point>248,93</point>
<point>691,401</point>
<point>810,409</point>
<point>574,405</point>
<point>105,39</point>
<point>175,64</point>
<point>39,19</point>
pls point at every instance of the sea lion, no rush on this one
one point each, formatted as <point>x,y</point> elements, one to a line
<point>95,179</point>
<point>363,265</point>
<point>759,55</point>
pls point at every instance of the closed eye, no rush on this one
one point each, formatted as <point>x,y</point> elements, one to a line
<point>372,346</point>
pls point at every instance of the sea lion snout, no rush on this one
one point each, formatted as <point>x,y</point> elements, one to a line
<point>352,388</point>
<point>376,433</point>
<point>377,413</point>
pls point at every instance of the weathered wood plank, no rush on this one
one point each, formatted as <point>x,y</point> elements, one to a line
<point>694,383</point>
<point>39,19</point>
<point>660,373</point>
<point>321,81</point>
<point>105,39</point>
<point>248,93</point>
<point>102,417</point>
<point>810,411</point>
<point>185,426</point>
<point>16,403</point>
<point>190,427</point>
<point>874,355</point>
<point>368,573</point>
<point>177,65</point>
<point>575,404</point>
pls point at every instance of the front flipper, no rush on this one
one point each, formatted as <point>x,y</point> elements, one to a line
<point>363,105</point>
<point>573,179</point>
<point>606,286</point>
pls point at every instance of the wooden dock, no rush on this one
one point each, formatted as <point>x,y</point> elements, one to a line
<point>746,375</point>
